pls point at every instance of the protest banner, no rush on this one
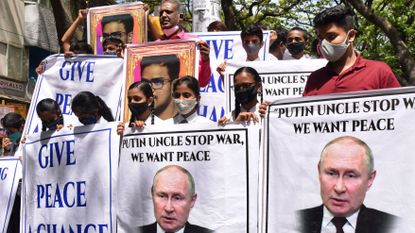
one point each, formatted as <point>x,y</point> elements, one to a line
<point>223,162</point>
<point>297,130</point>
<point>127,22</point>
<point>280,79</point>
<point>160,62</point>
<point>224,46</point>
<point>63,78</point>
<point>69,180</point>
<point>10,173</point>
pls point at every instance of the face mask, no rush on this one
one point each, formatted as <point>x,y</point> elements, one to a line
<point>14,137</point>
<point>246,95</point>
<point>333,52</point>
<point>54,124</point>
<point>110,53</point>
<point>137,108</point>
<point>296,48</point>
<point>185,106</point>
<point>88,120</point>
<point>252,48</point>
<point>170,31</point>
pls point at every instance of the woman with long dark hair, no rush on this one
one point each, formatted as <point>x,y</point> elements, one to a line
<point>89,108</point>
<point>247,88</point>
<point>50,114</point>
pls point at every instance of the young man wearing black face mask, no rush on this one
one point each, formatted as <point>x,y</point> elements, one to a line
<point>297,39</point>
<point>346,70</point>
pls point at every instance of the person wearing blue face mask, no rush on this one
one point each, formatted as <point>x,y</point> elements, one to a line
<point>13,123</point>
<point>89,108</point>
<point>50,114</point>
<point>346,70</point>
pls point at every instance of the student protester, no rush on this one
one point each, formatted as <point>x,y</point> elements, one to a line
<point>170,16</point>
<point>50,114</point>
<point>141,104</point>
<point>217,26</point>
<point>247,87</point>
<point>76,47</point>
<point>186,97</point>
<point>89,108</point>
<point>297,39</point>
<point>252,42</point>
<point>346,70</point>
<point>13,123</point>
<point>278,49</point>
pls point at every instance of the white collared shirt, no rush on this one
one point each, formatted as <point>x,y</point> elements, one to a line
<point>160,230</point>
<point>328,227</point>
<point>194,118</point>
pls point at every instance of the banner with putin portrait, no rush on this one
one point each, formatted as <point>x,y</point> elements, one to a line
<point>69,180</point>
<point>10,173</point>
<point>342,155</point>
<point>160,63</point>
<point>280,79</point>
<point>126,23</point>
<point>197,177</point>
<point>63,78</point>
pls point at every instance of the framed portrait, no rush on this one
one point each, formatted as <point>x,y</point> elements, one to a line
<point>173,58</point>
<point>126,22</point>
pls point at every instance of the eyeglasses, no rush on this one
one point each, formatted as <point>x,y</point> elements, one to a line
<point>112,35</point>
<point>157,83</point>
<point>243,86</point>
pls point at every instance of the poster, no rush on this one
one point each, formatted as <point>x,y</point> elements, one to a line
<point>10,173</point>
<point>63,78</point>
<point>223,164</point>
<point>127,22</point>
<point>69,180</point>
<point>304,170</point>
<point>160,62</point>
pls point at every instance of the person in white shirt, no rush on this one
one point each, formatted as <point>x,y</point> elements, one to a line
<point>140,99</point>
<point>186,97</point>
<point>247,88</point>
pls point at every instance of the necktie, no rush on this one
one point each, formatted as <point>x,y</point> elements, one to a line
<point>183,121</point>
<point>339,223</point>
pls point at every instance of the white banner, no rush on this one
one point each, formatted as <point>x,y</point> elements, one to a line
<point>10,173</point>
<point>223,46</point>
<point>222,161</point>
<point>63,78</point>
<point>280,79</point>
<point>297,186</point>
<point>70,179</point>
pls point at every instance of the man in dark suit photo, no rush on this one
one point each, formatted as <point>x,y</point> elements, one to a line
<point>346,173</point>
<point>174,195</point>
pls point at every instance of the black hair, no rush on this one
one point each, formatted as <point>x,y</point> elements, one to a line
<point>338,14</point>
<point>281,38</point>
<point>191,83</point>
<point>254,30</point>
<point>125,19</point>
<point>171,61</point>
<point>82,47</point>
<point>217,26</point>
<point>86,102</point>
<point>12,120</point>
<point>48,105</point>
<point>144,87</point>
<point>258,80</point>
<point>305,33</point>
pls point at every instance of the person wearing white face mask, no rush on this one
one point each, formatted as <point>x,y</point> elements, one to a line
<point>186,97</point>
<point>346,70</point>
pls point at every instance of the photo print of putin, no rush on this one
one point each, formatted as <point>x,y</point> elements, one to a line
<point>346,172</point>
<point>174,195</point>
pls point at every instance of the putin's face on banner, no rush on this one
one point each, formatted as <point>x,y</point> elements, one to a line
<point>172,199</point>
<point>344,177</point>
